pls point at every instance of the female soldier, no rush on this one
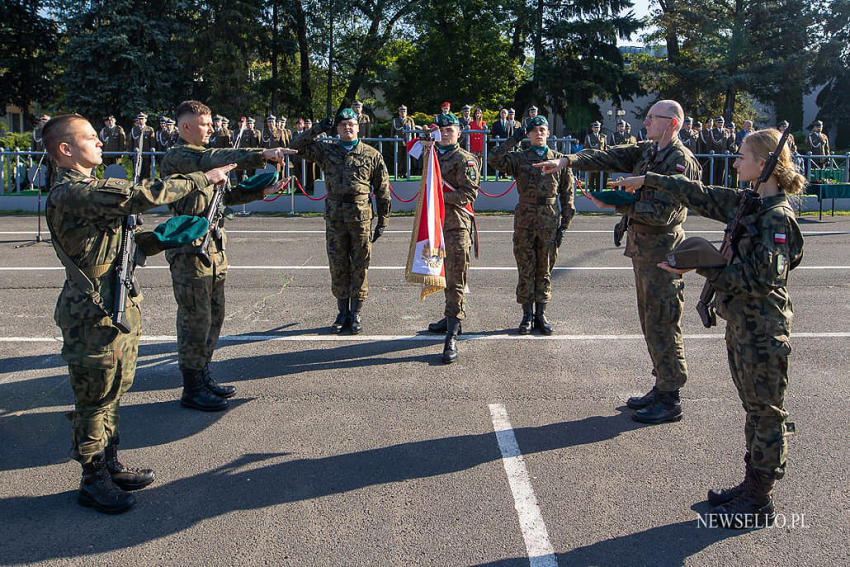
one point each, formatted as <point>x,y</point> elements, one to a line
<point>752,297</point>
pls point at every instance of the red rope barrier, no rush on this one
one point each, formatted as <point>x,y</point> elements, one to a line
<point>308,196</point>
<point>399,198</point>
<point>277,196</point>
<point>497,196</point>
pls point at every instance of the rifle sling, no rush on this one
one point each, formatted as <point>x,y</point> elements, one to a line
<point>75,274</point>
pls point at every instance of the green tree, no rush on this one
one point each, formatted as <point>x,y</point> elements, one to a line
<point>832,69</point>
<point>28,44</point>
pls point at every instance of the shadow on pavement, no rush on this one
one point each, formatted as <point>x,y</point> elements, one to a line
<point>168,508</point>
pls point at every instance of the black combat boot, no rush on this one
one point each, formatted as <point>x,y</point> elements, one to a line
<point>215,387</point>
<point>753,508</point>
<point>341,321</point>
<point>638,402</point>
<point>716,496</point>
<point>98,491</point>
<point>540,321</point>
<point>450,347</point>
<point>527,318</point>
<point>125,477</point>
<point>356,319</point>
<point>440,327</point>
<point>196,395</point>
<point>666,407</point>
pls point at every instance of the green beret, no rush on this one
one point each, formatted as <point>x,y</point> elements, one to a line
<point>615,197</point>
<point>538,121</point>
<point>695,252</point>
<point>258,181</point>
<point>173,233</point>
<point>345,114</point>
<point>447,119</point>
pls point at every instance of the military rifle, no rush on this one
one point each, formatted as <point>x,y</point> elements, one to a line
<point>125,280</point>
<point>214,214</point>
<point>748,204</point>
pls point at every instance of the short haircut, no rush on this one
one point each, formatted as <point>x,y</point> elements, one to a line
<point>58,130</point>
<point>192,107</point>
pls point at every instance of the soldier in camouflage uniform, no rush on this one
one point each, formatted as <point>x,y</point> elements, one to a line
<point>537,231</point>
<point>113,138</point>
<point>595,140</point>
<point>753,298</point>
<point>85,218</point>
<point>352,170</point>
<point>141,139</point>
<point>460,172</point>
<point>198,289</point>
<point>654,227</point>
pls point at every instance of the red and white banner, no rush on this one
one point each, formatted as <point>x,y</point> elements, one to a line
<point>426,259</point>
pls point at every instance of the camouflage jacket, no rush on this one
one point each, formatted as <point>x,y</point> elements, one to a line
<point>84,215</point>
<point>752,289</point>
<point>459,168</point>
<point>655,218</point>
<point>186,158</point>
<point>537,192</point>
<point>350,176</point>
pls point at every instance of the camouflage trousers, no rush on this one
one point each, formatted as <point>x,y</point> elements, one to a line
<point>660,299</point>
<point>458,242</point>
<point>535,253</point>
<point>199,293</point>
<point>349,253</point>
<point>759,366</point>
<point>101,365</point>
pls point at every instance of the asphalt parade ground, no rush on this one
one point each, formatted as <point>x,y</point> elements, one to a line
<point>366,450</point>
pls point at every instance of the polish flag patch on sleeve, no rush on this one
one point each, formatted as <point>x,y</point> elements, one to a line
<point>779,238</point>
<point>680,168</point>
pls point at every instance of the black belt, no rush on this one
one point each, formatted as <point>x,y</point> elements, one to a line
<point>348,198</point>
<point>538,200</point>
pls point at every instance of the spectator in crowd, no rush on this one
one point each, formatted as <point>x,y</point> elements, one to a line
<point>445,108</point>
<point>476,139</point>
<point>792,144</point>
<point>744,132</point>
<point>512,119</point>
<point>501,130</point>
<point>532,113</point>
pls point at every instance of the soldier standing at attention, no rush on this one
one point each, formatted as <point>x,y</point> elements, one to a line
<point>85,218</point>
<point>817,143</point>
<point>363,120</point>
<point>688,136</point>
<point>631,138</point>
<point>222,140</point>
<point>401,123</point>
<point>460,175</point>
<point>752,296</point>
<point>141,140</point>
<point>199,289</point>
<point>216,132</point>
<point>512,123</point>
<point>113,138</point>
<point>537,231</point>
<point>270,135</point>
<point>595,140</point>
<point>163,136</point>
<point>620,137</point>
<point>285,133</point>
<point>654,224</point>
<point>352,170</point>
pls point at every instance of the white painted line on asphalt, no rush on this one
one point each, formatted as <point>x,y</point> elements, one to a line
<point>310,337</point>
<point>540,550</point>
<point>399,268</point>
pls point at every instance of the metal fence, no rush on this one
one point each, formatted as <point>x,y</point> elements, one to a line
<point>17,168</point>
